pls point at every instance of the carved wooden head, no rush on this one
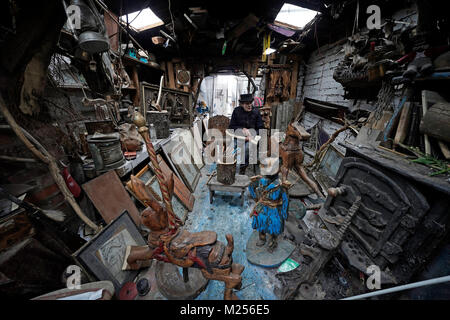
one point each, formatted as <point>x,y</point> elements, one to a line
<point>155,217</point>
<point>295,130</point>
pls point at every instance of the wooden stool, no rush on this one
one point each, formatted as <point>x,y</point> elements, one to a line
<point>240,184</point>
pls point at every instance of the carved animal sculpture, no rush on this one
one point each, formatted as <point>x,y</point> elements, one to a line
<point>292,155</point>
<point>168,243</point>
<point>182,248</point>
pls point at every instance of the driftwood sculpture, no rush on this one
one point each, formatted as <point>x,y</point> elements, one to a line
<point>168,243</point>
<point>292,155</point>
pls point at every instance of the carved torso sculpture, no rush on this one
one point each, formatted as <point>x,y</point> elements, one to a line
<point>292,155</point>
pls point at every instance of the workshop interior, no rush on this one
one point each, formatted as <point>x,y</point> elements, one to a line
<point>224,150</point>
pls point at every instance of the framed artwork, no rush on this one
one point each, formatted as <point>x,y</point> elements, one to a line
<point>187,136</point>
<point>167,147</point>
<point>185,165</point>
<point>331,161</point>
<point>103,256</point>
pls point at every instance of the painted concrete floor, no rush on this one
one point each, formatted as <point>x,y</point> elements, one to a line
<point>224,216</point>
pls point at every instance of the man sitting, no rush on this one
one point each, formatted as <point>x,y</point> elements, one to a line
<point>245,117</point>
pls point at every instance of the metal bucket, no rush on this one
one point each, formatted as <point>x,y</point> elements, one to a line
<point>106,151</point>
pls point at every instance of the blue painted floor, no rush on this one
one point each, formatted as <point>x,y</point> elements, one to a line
<point>224,216</point>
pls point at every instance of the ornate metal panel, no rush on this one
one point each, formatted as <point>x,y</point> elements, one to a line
<point>391,209</point>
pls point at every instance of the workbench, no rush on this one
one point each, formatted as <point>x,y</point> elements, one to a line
<point>239,186</point>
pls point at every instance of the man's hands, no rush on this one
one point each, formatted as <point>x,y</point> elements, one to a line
<point>247,134</point>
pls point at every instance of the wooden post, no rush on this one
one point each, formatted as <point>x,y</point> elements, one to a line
<point>137,96</point>
<point>139,121</point>
<point>403,124</point>
<point>424,111</point>
<point>294,80</point>
<point>170,74</point>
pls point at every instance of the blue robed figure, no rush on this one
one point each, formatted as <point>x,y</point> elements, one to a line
<point>272,201</point>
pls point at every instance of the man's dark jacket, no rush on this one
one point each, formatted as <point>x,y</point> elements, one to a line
<point>243,119</point>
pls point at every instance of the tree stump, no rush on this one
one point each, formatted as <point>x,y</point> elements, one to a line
<point>226,172</point>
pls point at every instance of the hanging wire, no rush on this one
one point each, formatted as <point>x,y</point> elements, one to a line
<point>173,24</point>
<point>356,21</point>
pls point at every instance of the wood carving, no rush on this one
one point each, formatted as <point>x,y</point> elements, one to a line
<point>168,243</point>
<point>286,77</point>
<point>292,155</point>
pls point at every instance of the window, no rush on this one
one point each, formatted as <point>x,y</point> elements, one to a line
<point>142,20</point>
<point>294,17</point>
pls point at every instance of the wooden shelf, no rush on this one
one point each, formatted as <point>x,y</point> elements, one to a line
<point>130,60</point>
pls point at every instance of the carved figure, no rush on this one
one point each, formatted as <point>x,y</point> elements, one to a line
<point>292,155</point>
<point>169,243</point>
<point>271,209</point>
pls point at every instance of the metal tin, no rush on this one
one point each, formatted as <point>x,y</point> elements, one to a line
<point>106,151</point>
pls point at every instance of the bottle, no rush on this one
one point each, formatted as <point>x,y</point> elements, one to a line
<point>152,132</point>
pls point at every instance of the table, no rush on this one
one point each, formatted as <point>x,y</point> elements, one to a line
<point>241,183</point>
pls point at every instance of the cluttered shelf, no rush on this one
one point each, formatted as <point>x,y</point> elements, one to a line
<point>128,60</point>
<point>141,157</point>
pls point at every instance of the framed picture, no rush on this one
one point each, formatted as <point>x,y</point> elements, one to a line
<point>185,165</point>
<point>187,136</point>
<point>103,256</point>
<point>167,147</point>
<point>331,161</point>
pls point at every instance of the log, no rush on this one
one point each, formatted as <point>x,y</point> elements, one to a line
<point>226,172</point>
<point>436,122</point>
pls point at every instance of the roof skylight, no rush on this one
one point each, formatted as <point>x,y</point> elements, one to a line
<point>142,20</point>
<point>294,17</point>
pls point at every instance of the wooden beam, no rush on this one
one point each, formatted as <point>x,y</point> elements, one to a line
<point>112,29</point>
<point>164,69</point>
<point>171,75</point>
<point>403,124</point>
<point>246,24</point>
<point>294,80</point>
<point>137,96</point>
